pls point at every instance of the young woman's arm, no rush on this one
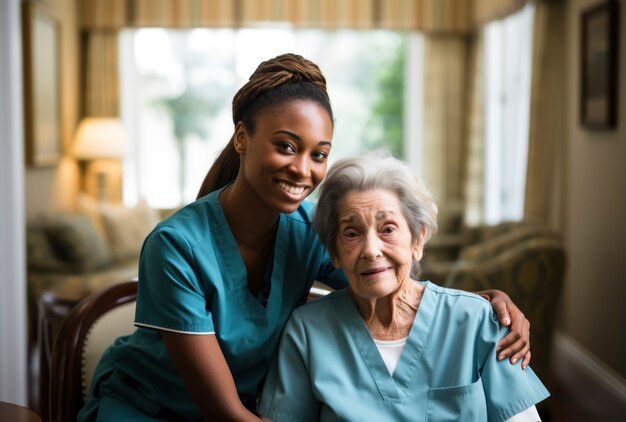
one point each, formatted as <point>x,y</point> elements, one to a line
<point>516,345</point>
<point>201,365</point>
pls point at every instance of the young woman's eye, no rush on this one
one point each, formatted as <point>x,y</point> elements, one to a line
<point>286,147</point>
<point>320,156</point>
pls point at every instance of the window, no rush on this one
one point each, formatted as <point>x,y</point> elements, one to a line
<point>177,88</point>
<point>508,46</point>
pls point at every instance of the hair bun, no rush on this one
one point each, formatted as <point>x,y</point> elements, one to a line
<point>275,72</point>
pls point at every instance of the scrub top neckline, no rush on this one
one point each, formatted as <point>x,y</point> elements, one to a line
<point>391,387</point>
<point>237,273</point>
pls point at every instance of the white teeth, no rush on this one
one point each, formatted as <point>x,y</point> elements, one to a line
<point>294,190</point>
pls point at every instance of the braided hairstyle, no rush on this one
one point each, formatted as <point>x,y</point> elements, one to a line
<point>283,79</point>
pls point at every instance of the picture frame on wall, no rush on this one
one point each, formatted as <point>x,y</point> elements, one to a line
<point>42,85</point>
<point>598,103</point>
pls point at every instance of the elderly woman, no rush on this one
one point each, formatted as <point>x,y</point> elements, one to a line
<point>389,348</point>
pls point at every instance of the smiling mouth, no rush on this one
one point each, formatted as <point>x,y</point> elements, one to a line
<point>294,190</point>
<point>374,271</point>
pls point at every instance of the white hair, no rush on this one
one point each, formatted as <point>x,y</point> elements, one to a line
<point>368,171</point>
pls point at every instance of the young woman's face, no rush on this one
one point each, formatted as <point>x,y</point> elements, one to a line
<point>285,158</point>
<point>375,247</point>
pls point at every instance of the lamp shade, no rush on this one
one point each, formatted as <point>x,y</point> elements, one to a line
<point>99,137</point>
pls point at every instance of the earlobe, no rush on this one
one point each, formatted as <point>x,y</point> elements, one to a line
<point>418,252</point>
<point>239,139</point>
<point>336,262</point>
<point>418,247</point>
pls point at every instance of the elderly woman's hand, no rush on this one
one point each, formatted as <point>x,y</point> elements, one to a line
<point>517,343</point>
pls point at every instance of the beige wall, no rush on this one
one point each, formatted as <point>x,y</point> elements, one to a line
<point>55,187</point>
<point>593,307</point>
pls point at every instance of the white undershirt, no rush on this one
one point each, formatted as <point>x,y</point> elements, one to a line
<point>391,350</point>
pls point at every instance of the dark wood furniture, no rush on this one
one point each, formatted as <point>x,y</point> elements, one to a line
<point>15,413</point>
<point>66,378</point>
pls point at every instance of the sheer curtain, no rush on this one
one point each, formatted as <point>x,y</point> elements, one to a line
<point>499,120</point>
<point>508,46</point>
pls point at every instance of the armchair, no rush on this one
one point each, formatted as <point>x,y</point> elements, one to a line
<point>89,328</point>
<point>532,274</point>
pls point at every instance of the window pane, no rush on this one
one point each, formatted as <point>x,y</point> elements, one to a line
<point>178,85</point>
<point>508,45</point>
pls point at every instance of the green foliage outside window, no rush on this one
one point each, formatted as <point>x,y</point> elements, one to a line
<point>388,109</point>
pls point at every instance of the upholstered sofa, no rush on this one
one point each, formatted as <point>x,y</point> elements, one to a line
<point>70,255</point>
<point>73,253</point>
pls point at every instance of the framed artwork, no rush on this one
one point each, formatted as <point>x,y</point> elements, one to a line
<point>42,102</point>
<point>598,103</point>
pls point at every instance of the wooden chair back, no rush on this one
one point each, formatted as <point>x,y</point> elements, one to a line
<point>77,349</point>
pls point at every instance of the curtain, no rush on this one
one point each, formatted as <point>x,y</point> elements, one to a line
<point>547,118</point>
<point>475,174</point>
<point>101,73</point>
<point>448,16</point>
<point>444,119</point>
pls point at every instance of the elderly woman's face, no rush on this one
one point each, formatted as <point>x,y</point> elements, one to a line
<point>374,243</point>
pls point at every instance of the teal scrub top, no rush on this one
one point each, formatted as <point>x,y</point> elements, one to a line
<point>192,279</point>
<point>328,367</point>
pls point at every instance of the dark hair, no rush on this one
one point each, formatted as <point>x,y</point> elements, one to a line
<point>285,78</point>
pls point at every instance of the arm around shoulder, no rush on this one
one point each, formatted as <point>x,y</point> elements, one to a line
<point>516,344</point>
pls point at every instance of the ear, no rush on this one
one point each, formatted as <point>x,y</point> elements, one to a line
<point>336,262</point>
<point>240,139</point>
<point>418,246</point>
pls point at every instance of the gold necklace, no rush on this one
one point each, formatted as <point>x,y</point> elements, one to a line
<point>263,249</point>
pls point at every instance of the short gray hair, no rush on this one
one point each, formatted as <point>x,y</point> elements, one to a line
<point>368,171</point>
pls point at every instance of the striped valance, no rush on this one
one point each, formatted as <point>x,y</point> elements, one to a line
<point>447,16</point>
<point>484,11</point>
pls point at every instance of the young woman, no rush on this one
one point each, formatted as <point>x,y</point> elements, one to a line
<point>219,278</point>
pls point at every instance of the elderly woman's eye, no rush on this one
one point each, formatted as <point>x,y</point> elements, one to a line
<point>389,229</point>
<point>350,234</point>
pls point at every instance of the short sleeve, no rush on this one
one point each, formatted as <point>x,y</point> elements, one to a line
<point>287,394</point>
<point>170,293</point>
<point>509,389</point>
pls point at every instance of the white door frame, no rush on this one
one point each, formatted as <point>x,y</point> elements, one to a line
<point>13,328</point>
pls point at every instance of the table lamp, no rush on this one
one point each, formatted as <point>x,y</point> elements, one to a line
<point>97,139</point>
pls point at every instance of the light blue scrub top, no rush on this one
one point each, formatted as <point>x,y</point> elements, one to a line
<point>329,369</point>
<point>192,279</point>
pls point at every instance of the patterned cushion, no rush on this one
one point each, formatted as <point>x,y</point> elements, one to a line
<point>39,252</point>
<point>75,240</point>
<point>126,229</point>
<point>504,241</point>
